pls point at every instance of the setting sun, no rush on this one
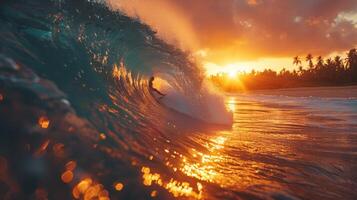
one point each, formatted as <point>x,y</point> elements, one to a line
<point>232,74</point>
<point>231,69</point>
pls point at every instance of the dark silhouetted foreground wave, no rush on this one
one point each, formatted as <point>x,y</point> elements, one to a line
<point>77,117</point>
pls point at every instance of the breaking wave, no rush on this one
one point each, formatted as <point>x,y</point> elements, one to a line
<point>77,66</point>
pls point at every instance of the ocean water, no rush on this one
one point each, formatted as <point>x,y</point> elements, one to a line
<point>78,121</point>
<point>297,147</point>
<point>279,147</point>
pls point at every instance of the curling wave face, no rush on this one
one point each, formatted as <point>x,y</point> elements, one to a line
<point>78,45</point>
<point>99,62</point>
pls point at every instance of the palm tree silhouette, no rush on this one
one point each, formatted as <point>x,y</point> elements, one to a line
<point>352,58</point>
<point>297,60</point>
<point>338,62</point>
<point>309,58</point>
<point>336,71</point>
<point>352,64</point>
<point>320,61</point>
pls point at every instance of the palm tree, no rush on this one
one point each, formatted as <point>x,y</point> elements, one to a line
<point>329,62</point>
<point>330,65</point>
<point>352,59</point>
<point>320,62</point>
<point>340,70</point>
<point>297,60</point>
<point>309,58</point>
<point>352,64</point>
<point>301,70</point>
<point>338,62</point>
<point>294,73</point>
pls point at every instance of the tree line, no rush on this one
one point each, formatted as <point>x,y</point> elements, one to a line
<point>335,71</point>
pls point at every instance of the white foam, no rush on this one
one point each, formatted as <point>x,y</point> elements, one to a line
<point>209,107</point>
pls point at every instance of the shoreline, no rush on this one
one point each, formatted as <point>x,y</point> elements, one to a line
<point>319,91</point>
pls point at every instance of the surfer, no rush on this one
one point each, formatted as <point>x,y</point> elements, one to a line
<point>152,89</point>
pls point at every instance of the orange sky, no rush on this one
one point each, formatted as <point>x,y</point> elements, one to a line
<point>244,34</point>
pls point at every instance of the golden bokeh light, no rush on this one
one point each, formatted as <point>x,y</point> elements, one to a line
<point>153,193</point>
<point>118,186</point>
<point>87,189</point>
<point>176,188</point>
<point>150,178</point>
<point>71,165</point>
<point>84,185</point>
<point>67,176</point>
<point>43,122</point>
<point>102,136</point>
<point>205,169</point>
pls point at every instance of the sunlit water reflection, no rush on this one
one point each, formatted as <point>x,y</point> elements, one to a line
<point>274,150</point>
<point>277,148</point>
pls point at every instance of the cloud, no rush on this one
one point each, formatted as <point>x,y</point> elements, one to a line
<point>252,29</point>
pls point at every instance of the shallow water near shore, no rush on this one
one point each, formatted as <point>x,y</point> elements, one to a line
<point>295,146</point>
<point>280,147</point>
